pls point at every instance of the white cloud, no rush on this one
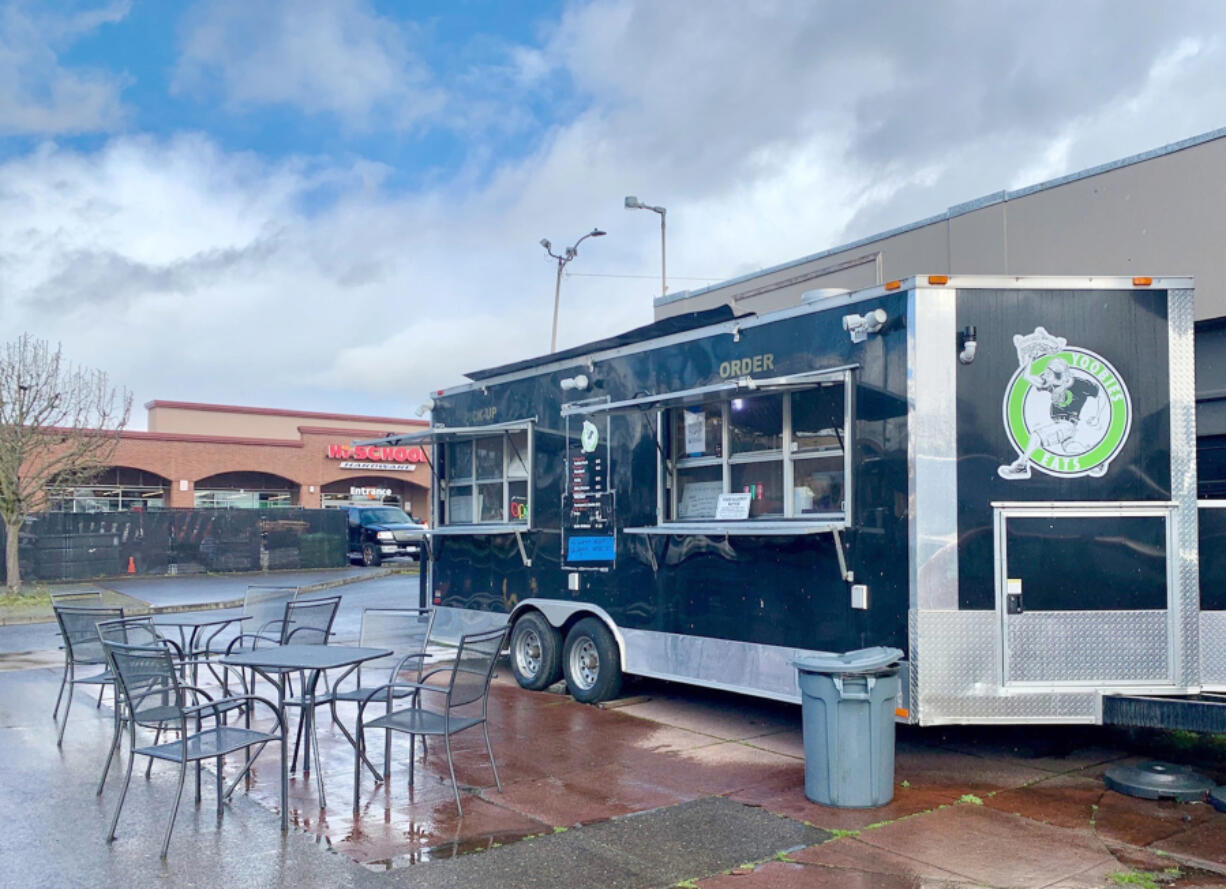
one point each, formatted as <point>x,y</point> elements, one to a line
<point>770,131</point>
<point>39,95</point>
<point>327,56</point>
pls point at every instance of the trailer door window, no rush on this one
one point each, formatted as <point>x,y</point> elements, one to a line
<point>786,450</point>
<point>486,479</point>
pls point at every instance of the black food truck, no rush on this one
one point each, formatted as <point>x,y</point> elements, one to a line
<point>996,475</point>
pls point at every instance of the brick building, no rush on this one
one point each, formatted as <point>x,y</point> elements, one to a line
<point>228,456</point>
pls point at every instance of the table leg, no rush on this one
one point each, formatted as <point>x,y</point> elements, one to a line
<point>310,739</point>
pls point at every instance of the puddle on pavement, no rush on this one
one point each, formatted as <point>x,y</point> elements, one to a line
<point>468,846</point>
<point>30,660</point>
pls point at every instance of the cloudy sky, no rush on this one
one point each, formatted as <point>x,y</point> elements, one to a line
<point>336,205</point>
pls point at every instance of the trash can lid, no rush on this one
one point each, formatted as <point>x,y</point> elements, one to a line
<point>862,660</point>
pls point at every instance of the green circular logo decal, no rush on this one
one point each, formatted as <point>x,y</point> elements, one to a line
<point>1067,410</point>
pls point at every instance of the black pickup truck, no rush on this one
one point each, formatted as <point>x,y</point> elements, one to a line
<point>382,532</point>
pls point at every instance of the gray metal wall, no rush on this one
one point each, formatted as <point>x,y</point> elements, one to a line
<point>1162,213</point>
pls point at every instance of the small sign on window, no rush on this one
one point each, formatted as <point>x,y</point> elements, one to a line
<point>695,432</point>
<point>733,507</point>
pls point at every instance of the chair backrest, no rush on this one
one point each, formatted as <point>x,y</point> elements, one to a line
<point>402,630</point>
<point>309,621</point>
<point>474,666</point>
<point>130,631</point>
<point>265,604</point>
<point>79,629</point>
<point>146,679</point>
<point>78,598</point>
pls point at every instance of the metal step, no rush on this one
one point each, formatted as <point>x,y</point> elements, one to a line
<point>1204,712</point>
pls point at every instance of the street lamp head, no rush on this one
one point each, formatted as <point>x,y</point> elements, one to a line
<point>545,243</point>
<point>632,203</point>
<point>597,233</point>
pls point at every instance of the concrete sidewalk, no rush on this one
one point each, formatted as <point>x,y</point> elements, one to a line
<point>674,787</point>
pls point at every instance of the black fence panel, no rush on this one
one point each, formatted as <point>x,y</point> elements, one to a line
<point>305,538</point>
<point>78,546</point>
<point>215,540</point>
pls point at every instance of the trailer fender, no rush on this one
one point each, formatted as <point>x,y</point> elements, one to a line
<point>560,613</point>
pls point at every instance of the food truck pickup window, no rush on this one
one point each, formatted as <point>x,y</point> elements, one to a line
<point>787,450</point>
<point>485,479</point>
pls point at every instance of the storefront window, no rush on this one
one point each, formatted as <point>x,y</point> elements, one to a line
<point>785,450</point>
<point>105,499</point>
<point>111,490</point>
<point>756,424</point>
<point>486,479</point>
<point>206,499</point>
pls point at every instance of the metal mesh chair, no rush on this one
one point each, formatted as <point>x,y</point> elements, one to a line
<point>466,688</point>
<point>265,606</point>
<point>147,679</point>
<point>302,622</point>
<point>406,632</point>
<point>82,648</point>
<point>132,631</point>
<point>79,598</point>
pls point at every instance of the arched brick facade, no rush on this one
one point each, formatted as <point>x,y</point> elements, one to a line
<point>186,459</point>
<point>189,442</point>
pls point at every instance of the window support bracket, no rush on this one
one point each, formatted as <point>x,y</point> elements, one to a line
<point>523,553</point>
<point>848,576</point>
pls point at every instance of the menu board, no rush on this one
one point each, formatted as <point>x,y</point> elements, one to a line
<point>589,535</point>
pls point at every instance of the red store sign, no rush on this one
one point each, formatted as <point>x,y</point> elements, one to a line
<point>376,452</point>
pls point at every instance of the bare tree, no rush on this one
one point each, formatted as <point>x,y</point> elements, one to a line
<point>58,423</point>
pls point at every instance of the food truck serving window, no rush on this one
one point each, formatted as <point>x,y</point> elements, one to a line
<point>485,479</point>
<point>787,450</point>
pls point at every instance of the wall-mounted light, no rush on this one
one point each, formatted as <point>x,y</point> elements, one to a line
<point>968,344</point>
<point>579,382</point>
<point>860,326</point>
<point>425,407</point>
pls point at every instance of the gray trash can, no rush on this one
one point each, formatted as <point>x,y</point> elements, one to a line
<point>848,703</point>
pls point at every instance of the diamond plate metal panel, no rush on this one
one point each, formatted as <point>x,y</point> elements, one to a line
<point>913,674</point>
<point>1212,647</point>
<point>1088,646</point>
<point>959,676</point>
<point>1185,601</point>
<point>957,652</point>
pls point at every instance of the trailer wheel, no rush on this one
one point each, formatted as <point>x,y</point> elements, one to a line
<point>591,662</point>
<point>536,652</point>
<point>371,557</point>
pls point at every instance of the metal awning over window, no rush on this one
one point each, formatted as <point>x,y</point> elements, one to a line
<point>700,394</point>
<point>437,434</point>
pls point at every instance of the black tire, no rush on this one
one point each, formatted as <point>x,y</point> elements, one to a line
<point>371,557</point>
<point>536,652</point>
<point>591,662</point>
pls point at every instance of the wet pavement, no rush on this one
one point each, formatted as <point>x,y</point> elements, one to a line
<point>675,786</point>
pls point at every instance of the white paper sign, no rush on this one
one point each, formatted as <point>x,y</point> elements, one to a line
<point>733,506</point>
<point>699,500</point>
<point>695,432</point>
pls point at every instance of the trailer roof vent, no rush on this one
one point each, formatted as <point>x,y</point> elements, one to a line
<point>822,293</point>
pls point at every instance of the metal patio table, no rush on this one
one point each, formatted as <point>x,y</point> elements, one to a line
<point>193,624</point>
<point>312,660</point>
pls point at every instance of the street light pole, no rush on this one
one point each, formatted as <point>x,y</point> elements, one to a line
<point>566,256</point>
<point>633,203</point>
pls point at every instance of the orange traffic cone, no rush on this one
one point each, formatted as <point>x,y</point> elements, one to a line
<point>131,564</point>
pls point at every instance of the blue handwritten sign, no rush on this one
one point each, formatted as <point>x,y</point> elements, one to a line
<point>591,549</point>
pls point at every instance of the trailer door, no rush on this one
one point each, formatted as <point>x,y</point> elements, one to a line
<point>1084,593</point>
